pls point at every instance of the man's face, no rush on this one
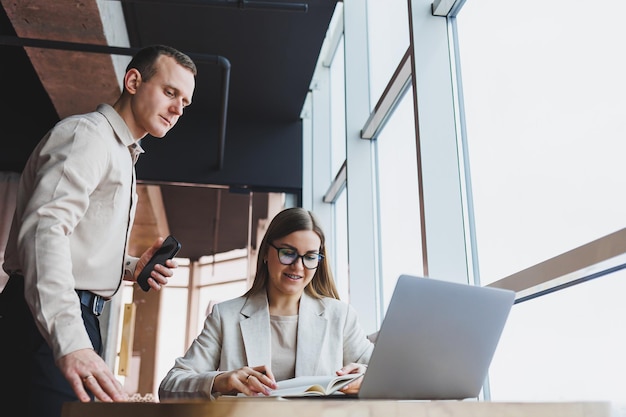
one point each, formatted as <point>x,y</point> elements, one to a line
<point>159,102</point>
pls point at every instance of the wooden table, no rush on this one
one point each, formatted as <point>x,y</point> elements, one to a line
<point>272,407</point>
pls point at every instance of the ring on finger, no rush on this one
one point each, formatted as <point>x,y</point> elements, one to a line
<point>248,377</point>
<point>87,378</point>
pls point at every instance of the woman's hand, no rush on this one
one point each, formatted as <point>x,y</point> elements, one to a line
<point>249,381</point>
<point>352,368</point>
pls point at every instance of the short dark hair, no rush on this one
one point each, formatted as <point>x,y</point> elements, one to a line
<point>144,60</point>
<point>284,223</point>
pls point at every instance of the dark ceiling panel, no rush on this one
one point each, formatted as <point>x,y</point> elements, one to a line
<point>208,220</point>
<point>272,56</point>
<point>27,112</point>
<point>259,156</point>
<point>272,53</point>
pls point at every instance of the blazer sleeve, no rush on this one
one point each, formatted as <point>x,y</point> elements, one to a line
<point>193,374</point>
<point>357,347</point>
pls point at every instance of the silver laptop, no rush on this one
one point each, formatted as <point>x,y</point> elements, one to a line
<point>436,341</point>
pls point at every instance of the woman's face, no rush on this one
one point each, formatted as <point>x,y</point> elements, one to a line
<point>292,279</point>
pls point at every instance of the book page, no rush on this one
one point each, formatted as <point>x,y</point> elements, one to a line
<point>313,385</point>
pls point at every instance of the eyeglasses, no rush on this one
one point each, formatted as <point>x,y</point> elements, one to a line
<point>288,256</point>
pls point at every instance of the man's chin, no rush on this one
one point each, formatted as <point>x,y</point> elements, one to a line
<point>159,133</point>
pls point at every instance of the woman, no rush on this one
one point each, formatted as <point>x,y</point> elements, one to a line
<point>289,323</point>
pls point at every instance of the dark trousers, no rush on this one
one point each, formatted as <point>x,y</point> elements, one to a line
<point>30,379</point>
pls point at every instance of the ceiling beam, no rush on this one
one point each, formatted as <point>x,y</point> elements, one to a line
<point>77,79</point>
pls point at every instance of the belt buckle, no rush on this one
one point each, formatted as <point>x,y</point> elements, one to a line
<point>97,304</point>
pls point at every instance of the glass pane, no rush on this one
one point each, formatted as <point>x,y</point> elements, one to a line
<point>340,241</point>
<point>545,122</point>
<point>388,33</point>
<point>545,99</point>
<point>223,267</point>
<point>338,110</point>
<point>400,232</point>
<point>216,293</point>
<point>172,326</point>
<point>565,346</point>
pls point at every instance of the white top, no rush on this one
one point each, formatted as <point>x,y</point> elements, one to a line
<point>284,341</point>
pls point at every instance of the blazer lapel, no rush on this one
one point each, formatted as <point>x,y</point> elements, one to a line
<point>255,330</point>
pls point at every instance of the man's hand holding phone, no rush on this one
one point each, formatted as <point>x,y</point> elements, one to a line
<point>168,250</point>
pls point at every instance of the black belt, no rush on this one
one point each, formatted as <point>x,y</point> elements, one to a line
<point>87,298</point>
<point>93,301</point>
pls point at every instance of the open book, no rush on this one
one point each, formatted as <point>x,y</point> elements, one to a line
<point>313,385</point>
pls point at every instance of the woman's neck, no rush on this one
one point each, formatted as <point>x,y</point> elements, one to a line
<point>282,304</point>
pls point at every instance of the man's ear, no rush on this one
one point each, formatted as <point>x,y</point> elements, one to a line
<point>132,79</point>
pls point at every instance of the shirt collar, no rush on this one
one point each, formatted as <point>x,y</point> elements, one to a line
<point>121,130</point>
<point>117,123</point>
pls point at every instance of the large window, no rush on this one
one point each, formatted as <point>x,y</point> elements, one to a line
<point>396,157</point>
<point>388,38</point>
<point>519,161</point>
<point>544,98</point>
<point>566,346</point>
<point>400,234</point>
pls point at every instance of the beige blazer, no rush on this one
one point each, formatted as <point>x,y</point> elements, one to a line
<point>237,333</point>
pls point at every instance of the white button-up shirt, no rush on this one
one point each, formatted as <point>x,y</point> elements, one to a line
<point>75,207</point>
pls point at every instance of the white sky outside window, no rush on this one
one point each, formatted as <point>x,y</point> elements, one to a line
<point>400,241</point>
<point>400,232</point>
<point>388,40</point>
<point>545,101</point>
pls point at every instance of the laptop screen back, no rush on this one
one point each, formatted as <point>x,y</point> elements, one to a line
<point>436,341</point>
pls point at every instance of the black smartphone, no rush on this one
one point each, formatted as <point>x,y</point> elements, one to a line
<point>168,250</point>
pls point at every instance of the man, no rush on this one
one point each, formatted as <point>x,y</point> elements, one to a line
<point>66,252</point>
